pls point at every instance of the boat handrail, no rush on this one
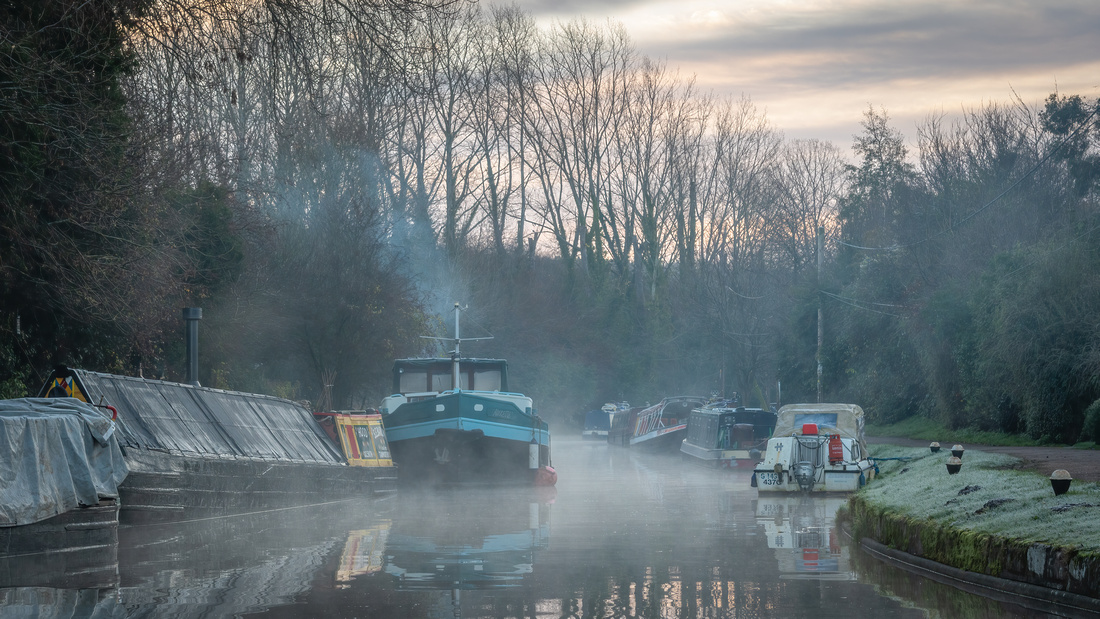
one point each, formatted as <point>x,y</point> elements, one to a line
<point>481,391</point>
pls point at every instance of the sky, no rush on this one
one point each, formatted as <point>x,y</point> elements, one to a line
<point>814,66</point>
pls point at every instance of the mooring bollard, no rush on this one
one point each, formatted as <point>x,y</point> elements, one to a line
<point>1059,481</point>
<point>935,447</point>
<point>954,463</point>
<point>957,451</point>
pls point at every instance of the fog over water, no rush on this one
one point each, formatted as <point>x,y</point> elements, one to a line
<point>623,535</point>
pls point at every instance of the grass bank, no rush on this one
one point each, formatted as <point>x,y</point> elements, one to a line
<point>926,429</point>
<point>929,430</point>
<point>989,518</point>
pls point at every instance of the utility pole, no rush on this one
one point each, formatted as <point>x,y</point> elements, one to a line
<point>820,307</point>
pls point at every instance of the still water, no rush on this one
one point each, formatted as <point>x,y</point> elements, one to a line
<point>623,535</point>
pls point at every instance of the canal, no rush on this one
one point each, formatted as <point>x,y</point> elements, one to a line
<point>622,535</point>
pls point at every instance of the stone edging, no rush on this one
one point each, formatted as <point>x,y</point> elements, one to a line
<point>1032,597</point>
<point>1024,571</point>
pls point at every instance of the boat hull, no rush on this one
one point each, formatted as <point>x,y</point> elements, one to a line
<point>664,439</point>
<point>466,455</point>
<point>77,548</point>
<point>172,488</point>
<point>744,459</point>
<point>801,464</point>
<point>467,436</point>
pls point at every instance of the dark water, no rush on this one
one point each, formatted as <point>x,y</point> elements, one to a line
<point>622,535</point>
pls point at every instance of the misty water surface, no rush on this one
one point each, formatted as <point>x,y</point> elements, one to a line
<point>623,535</point>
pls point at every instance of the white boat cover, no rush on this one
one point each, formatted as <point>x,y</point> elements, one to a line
<point>55,454</point>
<point>843,419</point>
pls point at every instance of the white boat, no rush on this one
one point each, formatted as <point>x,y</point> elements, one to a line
<point>815,448</point>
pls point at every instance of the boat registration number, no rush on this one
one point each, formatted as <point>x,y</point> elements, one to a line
<point>767,478</point>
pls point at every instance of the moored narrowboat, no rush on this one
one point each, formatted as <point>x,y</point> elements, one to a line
<point>597,424</point>
<point>724,436</point>
<point>659,427</point>
<point>59,494</point>
<point>195,452</point>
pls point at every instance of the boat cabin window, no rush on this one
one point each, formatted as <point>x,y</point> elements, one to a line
<point>437,378</point>
<point>415,382</point>
<point>823,420</point>
<point>442,382</point>
<point>486,380</point>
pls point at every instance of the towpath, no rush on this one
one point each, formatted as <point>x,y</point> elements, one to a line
<point>1083,464</point>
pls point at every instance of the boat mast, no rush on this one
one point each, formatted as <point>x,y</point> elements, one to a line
<point>456,354</point>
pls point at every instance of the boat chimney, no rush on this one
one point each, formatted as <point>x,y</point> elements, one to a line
<point>192,315</point>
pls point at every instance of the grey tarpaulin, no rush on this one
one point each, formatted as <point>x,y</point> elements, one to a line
<point>186,420</point>
<point>55,454</point>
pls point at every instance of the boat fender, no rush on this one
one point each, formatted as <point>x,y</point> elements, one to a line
<point>752,481</point>
<point>862,479</point>
<point>546,476</point>
<point>533,455</point>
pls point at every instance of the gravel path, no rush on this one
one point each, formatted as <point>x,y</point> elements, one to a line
<point>1083,464</point>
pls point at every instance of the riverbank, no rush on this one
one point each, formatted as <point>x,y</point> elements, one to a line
<point>991,519</point>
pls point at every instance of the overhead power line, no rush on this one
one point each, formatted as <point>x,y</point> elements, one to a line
<point>857,304</point>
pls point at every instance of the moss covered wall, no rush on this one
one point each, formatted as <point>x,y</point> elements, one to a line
<point>1059,568</point>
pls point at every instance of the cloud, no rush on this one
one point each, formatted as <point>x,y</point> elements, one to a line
<point>867,42</point>
<point>811,63</point>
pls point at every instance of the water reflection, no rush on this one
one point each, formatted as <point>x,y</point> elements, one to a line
<point>623,535</point>
<point>52,603</point>
<point>363,552</point>
<point>468,538</point>
<point>803,533</point>
<point>228,566</point>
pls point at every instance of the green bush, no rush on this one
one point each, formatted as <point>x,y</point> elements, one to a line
<point>1090,431</point>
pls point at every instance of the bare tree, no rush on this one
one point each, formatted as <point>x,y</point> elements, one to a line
<point>578,110</point>
<point>811,180</point>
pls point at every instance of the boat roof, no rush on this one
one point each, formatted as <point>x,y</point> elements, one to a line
<point>843,419</point>
<point>731,410</point>
<point>431,362</point>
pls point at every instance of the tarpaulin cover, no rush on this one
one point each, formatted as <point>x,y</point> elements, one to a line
<point>843,419</point>
<point>188,420</point>
<point>55,454</point>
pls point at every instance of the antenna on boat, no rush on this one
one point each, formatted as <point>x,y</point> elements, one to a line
<point>456,353</point>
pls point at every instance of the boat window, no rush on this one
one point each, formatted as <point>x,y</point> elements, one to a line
<point>441,382</point>
<point>823,420</point>
<point>486,380</point>
<point>363,438</point>
<point>378,434</point>
<point>414,382</point>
